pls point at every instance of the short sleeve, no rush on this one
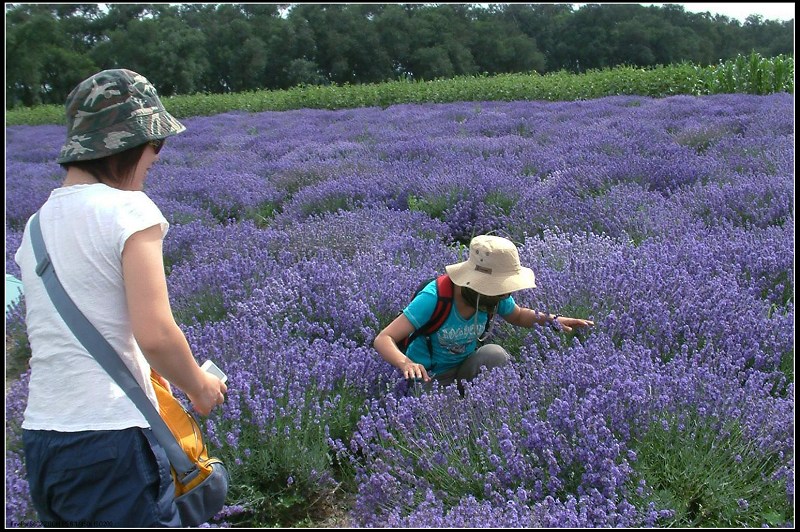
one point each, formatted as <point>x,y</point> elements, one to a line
<point>421,308</point>
<point>506,306</point>
<point>138,214</point>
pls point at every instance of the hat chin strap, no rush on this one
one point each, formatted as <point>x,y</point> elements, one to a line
<point>485,335</point>
<point>477,306</point>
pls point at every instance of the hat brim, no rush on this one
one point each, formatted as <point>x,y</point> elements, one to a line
<point>464,274</point>
<point>120,137</point>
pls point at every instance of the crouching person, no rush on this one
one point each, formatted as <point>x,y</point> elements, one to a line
<point>437,336</point>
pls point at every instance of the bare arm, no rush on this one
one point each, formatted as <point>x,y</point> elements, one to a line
<point>386,346</point>
<point>163,343</point>
<point>525,317</point>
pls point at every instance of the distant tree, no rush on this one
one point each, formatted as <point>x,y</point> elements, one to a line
<point>303,68</point>
<point>233,48</point>
<point>44,61</point>
<point>119,15</point>
<point>348,49</point>
<point>432,62</point>
<point>588,46</point>
<point>161,46</point>
<point>82,23</point>
<point>440,42</point>
<point>226,47</point>
<point>544,23</point>
<point>304,72</point>
<point>779,38</point>
<point>632,43</point>
<point>394,28</point>
<point>498,45</point>
<point>279,47</point>
<point>372,62</point>
<point>715,36</point>
<point>768,37</point>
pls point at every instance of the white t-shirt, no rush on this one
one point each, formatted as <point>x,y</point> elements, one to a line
<point>85,228</point>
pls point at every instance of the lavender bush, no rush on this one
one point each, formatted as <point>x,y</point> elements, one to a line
<point>296,236</point>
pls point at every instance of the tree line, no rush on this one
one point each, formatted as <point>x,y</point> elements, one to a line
<point>229,48</point>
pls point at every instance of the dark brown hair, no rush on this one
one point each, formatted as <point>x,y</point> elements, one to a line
<point>115,170</point>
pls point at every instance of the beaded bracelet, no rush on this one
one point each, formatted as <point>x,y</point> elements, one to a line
<point>554,322</point>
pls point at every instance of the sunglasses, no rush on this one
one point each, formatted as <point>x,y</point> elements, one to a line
<point>157,144</point>
<point>490,302</point>
<point>485,303</point>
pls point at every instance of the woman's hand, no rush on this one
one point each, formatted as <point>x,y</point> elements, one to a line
<point>211,394</point>
<point>412,370</point>
<point>567,324</point>
<point>386,346</point>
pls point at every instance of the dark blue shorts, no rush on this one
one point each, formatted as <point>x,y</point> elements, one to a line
<point>114,478</point>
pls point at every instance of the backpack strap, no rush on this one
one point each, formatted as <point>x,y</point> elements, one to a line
<point>444,302</point>
<point>487,329</point>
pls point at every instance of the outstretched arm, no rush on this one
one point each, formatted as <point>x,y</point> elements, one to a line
<point>526,317</point>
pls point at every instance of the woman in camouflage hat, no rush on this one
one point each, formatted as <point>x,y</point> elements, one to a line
<point>90,455</point>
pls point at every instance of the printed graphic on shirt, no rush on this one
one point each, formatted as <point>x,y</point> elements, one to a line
<point>455,340</point>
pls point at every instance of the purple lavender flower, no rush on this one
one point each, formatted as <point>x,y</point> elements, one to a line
<point>296,236</point>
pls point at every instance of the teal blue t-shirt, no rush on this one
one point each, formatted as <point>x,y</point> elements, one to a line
<point>455,340</point>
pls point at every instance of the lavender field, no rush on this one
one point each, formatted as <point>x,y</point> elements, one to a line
<point>296,236</point>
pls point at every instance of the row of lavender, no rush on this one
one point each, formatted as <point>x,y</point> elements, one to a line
<point>296,235</point>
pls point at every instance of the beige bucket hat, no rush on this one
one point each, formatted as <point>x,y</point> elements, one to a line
<point>492,268</point>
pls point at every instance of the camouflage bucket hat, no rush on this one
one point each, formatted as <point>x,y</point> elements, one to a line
<point>113,111</point>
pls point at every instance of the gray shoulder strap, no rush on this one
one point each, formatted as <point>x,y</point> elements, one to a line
<point>104,353</point>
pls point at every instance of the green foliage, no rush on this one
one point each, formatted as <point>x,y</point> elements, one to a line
<point>235,48</point>
<point>458,463</point>
<point>754,75</point>
<point>701,140</point>
<point>18,348</point>
<point>459,456</point>
<point>709,477</point>
<point>333,202</point>
<point>204,306</point>
<point>503,202</point>
<point>435,205</point>
<point>36,116</point>
<point>290,471</point>
<point>787,365</point>
<point>18,354</point>
<point>751,74</point>
<point>263,214</point>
